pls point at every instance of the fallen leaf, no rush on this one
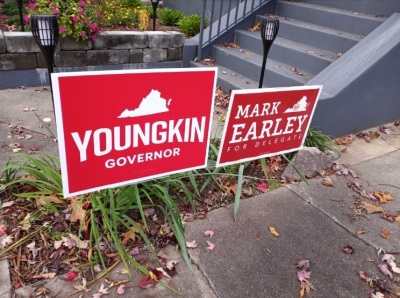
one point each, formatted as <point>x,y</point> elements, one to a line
<point>6,241</point>
<point>385,234</point>
<point>387,258</point>
<point>262,186</point>
<point>83,244</point>
<point>121,290</point>
<point>273,231</point>
<point>385,270</point>
<point>191,244</point>
<point>383,197</point>
<point>49,275</point>
<point>327,181</point>
<point>171,264</point>
<point>363,275</point>
<point>72,275</point>
<point>360,232</point>
<point>388,217</point>
<point>303,275</point>
<point>394,267</point>
<point>47,120</point>
<point>371,208</point>
<point>134,251</point>
<point>208,233</point>
<point>3,230</point>
<point>229,188</point>
<point>146,282</point>
<point>255,28</point>
<point>303,265</point>
<point>163,272</point>
<point>7,204</point>
<point>210,246</point>
<point>348,249</point>
<point>305,287</point>
<point>78,213</point>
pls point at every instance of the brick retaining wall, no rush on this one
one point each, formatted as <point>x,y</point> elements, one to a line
<point>18,50</point>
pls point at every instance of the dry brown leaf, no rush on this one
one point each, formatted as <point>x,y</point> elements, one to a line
<point>397,218</point>
<point>229,188</point>
<point>327,181</point>
<point>371,208</point>
<point>273,231</point>
<point>78,213</point>
<point>383,197</point>
<point>49,199</point>
<point>129,235</point>
<point>385,234</point>
<point>360,232</point>
<point>256,27</point>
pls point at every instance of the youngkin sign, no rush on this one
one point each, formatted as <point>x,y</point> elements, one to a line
<point>266,122</point>
<point>120,127</point>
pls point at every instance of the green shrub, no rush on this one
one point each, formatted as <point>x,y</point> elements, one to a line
<point>119,13</point>
<point>190,25</point>
<point>10,9</point>
<point>131,3</point>
<point>170,17</point>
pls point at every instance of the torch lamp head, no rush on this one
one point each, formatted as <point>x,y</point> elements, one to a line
<point>155,3</point>
<point>45,30</point>
<point>269,29</point>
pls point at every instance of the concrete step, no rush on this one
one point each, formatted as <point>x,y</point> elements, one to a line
<point>316,36</point>
<point>229,80</point>
<point>249,64</point>
<point>307,58</point>
<point>338,19</point>
<point>373,7</point>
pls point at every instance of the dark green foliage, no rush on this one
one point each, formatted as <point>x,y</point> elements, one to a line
<point>131,3</point>
<point>170,17</point>
<point>190,25</point>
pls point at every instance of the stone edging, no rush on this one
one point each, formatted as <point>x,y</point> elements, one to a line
<point>18,50</point>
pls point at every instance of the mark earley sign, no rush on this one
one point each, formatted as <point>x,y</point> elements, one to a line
<point>120,127</point>
<point>266,122</point>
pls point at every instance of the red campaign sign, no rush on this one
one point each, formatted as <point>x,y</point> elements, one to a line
<point>120,127</point>
<point>266,122</point>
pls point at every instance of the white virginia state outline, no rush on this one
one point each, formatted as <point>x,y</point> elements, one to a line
<point>300,106</point>
<point>150,105</point>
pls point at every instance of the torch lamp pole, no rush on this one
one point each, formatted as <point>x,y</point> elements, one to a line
<point>154,3</point>
<point>269,31</point>
<point>21,20</point>
<point>46,34</point>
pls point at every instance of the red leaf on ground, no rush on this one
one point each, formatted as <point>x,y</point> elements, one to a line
<point>262,186</point>
<point>71,275</point>
<point>304,275</point>
<point>146,282</point>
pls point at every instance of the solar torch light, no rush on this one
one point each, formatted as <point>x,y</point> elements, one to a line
<point>154,3</point>
<point>269,31</point>
<point>21,20</point>
<point>46,34</point>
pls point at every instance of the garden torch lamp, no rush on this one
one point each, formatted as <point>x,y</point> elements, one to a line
<point>269,31</point>
<point>21,20</point>
<point>154,3</point>
<point>46,34</point>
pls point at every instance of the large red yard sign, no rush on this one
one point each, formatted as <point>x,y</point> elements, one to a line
<point>266,122</point>
<point>120,127</point>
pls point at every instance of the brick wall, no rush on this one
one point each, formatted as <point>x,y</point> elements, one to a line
<point>18,50</point>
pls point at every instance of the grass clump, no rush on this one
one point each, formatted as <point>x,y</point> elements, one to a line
<point>190,25</point>
<point>170,17</point>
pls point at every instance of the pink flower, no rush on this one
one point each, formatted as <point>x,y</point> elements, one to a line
<point>55,11</point>
<point>75,19</point>
<point>99,14</point>
<point>92,26</point>
<point>82,3</point>
<point>26,18</point>
<point>93,37</point>
<point>86,21</point>
<point>92,1</point>
<point>83,33</point>
<point>32,5</point>
<point>81,13</point>
<point>62,29</point>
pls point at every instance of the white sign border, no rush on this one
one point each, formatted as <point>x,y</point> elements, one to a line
<point>60,128</point>
<point>264,90</point>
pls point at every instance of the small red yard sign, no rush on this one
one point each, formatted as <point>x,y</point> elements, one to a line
<point>120,127</point>
<point>266,122</point>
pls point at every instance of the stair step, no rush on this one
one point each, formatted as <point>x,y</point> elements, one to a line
<point>309,59</point>
<point>373,7</point>
<point>317,36</point>
<point>229,80</point>
<point>249,65</point>
<point>335,18</point>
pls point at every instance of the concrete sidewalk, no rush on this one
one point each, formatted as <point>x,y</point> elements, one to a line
<point>314,223</point>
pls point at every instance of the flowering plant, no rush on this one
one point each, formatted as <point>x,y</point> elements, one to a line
<point>76,18</point>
